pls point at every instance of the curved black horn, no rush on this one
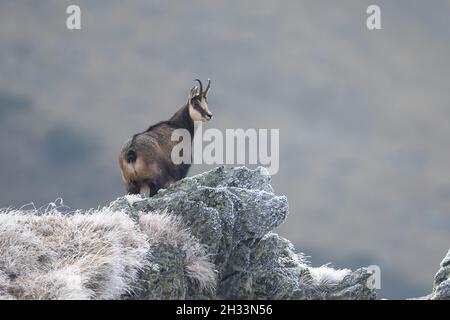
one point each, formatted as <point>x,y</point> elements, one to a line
<point>201,86</point>
<point>207,87</point>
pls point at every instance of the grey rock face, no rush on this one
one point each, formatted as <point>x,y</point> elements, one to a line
<point>206,237</point>
<point>232,213</point>
<point>441,288</point>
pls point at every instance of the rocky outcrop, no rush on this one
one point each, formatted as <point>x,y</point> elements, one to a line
<point>209,236</point>
<point>441,287</point>
<point>232,213</point>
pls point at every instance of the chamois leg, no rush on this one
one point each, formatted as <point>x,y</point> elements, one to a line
<point>153,189</point>
<point>133,188</point>
<point>145,189</point>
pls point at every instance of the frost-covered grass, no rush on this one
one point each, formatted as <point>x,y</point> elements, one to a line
<point>326,277</point>
<point>168,228</point>
<point>97,254</point>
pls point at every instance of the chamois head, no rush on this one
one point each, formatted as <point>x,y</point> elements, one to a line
<point>198,103</point>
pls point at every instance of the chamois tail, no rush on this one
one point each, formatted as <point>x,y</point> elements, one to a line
<point>131,156</point>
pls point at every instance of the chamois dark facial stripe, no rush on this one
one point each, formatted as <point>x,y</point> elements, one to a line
<point>200,109</point>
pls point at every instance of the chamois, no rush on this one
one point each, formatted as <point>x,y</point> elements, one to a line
<point>145,159</point>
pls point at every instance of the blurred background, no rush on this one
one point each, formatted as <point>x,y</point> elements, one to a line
<point>363,115</point>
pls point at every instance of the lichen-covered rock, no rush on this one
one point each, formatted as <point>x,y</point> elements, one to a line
<point>220,214</point>
<point>209,236</point>
<point>441,288</point>
<point>232,213</point>
<point>353,286</point>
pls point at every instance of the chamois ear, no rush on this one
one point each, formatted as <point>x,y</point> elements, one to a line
<point>193,93</point>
